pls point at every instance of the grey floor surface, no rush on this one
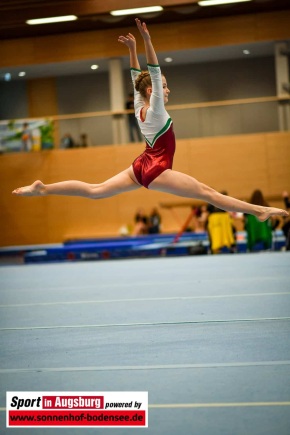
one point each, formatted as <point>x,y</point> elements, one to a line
<point>208,337</point>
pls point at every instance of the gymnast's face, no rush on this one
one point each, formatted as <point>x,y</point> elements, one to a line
<point>166,91</point>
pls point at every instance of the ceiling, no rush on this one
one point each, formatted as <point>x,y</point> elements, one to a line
<point>94,15</point>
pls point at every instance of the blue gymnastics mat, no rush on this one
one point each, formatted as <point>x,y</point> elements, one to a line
<point>157,245</point>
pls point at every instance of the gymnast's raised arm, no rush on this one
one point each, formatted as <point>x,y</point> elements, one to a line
<point>149,49</point>
<point>130,41</point>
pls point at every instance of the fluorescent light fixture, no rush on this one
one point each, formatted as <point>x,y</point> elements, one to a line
<point>136,11</point>
<point>220,2</point>
<point>94,66</point>
<point>52,20</point>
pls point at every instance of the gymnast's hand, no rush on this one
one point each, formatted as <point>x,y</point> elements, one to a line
<point>143,29</point>
<point>128,40</point>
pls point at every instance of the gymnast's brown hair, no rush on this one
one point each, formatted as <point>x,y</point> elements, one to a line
<point>142,82</point>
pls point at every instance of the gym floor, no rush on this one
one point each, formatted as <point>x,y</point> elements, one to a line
<point>206,336</point>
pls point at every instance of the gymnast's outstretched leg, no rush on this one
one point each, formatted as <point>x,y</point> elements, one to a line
<point>123,182</point>
<point>183,185</point>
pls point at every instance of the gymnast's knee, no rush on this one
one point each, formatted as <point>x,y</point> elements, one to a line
<point>96,191</point>
<point>205,192</point>
<point>101,191</point>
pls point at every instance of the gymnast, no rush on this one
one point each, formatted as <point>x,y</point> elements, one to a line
<point>153,168</point>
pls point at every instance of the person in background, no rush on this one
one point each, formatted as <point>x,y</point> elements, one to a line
<point>154,222</point>
<point>141,223</point>
<point>26,137</point>
<point>201,219</point>
<point>134,130</point>
<point>258,233</point>
<point>84,141</point>
<point>67,141</point>
<point>220,228</point>
<point>286,223</point>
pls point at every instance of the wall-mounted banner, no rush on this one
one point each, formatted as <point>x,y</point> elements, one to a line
<point>76,409</point>
<point>22,135</point>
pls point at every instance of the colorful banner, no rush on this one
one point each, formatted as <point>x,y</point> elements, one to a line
<point>22,135</point>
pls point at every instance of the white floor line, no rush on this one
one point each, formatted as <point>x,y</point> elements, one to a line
<point>173,298</point>
<point>217,405</point>
<point>147,367</point>
<point>194,280</point>
<point>124,325</point>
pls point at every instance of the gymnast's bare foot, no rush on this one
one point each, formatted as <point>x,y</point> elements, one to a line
<point>35,189</point>
<point>263,215</point>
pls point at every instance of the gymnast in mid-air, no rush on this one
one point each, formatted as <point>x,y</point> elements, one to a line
<point>153,168</point>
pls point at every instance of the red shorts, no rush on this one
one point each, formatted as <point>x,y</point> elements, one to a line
<point>153,161</point>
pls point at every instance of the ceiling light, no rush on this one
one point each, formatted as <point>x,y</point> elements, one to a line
<point>7,77</point>
<point>22,74</point>
<point>136,11</point>
<point>94,66</point>
<point>52,20</point>
<point>168,59</point>
<point>219,2</point>
<point>246,51</point>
